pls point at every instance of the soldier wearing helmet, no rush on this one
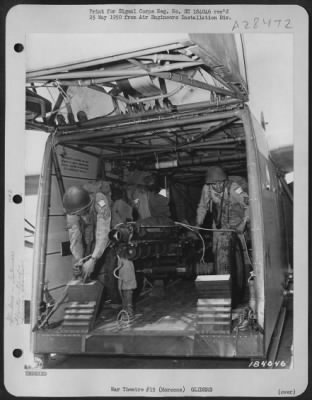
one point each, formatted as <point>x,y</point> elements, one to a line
<point>88,222</point>
<point>228,203</point>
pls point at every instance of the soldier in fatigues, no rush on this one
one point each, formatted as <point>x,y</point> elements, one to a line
<point>88,222</point>
<point>121,210</point>
<point>228,203</point>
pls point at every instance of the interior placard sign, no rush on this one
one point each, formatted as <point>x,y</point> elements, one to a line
<point>76,164</point>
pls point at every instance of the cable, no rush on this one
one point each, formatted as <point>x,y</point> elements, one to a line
<point>123,323</point>
<point>118,268</point>
<point>195,230</point>
<point>56,111</point>
<point>119,223</point>
<point>52,97</point>
<point>62,92</point>
<point>190,227</point>
<point>205,229</point>
<point>242,237</point>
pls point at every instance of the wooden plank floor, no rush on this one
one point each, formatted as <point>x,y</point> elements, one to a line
<point>129,362</point>
<point>173,310</point>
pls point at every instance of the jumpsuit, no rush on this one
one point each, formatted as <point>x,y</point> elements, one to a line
<point>121,212</point>
<point>88,235</point>
<point>229,208</point>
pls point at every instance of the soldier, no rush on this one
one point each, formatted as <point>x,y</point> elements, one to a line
<point>149,203</point>
<point>88,222</point>
<point>121,210</point>
<point>228,204</point>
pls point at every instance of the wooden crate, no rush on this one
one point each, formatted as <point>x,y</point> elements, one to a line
<point>84,301</point>
<point>214,304</point>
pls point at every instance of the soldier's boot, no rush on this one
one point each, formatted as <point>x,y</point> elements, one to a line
<point>127,304</point>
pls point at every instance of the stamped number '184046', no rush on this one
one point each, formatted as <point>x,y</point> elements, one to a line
<point>267,364</point>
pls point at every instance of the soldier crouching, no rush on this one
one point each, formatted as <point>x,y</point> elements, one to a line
<point>88,217</point>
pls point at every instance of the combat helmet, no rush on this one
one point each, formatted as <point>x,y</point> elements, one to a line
<point>76,200</point>
<point>151,183</point>
<point>215,174</point>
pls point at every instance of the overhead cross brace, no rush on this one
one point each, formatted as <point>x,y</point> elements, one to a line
<point>145,127</point>
<point>181,78</point>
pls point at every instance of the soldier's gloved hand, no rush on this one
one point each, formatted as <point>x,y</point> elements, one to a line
<point>77,268</point>
<point>88,268</point>
<point>241,227</point>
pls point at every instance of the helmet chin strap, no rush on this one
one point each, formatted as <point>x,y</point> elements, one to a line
<point>80,210</point>
<point>218,188</point>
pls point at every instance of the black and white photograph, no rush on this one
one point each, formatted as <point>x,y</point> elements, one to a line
<point>156,212</point>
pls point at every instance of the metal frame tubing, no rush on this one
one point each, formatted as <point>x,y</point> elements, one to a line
<point>204,160</point>
<point>77,148</point>
<point>141,116</point>
<point>57,105</point>
<point>175,152</point>
<point>80,75</point>
<point>58,172</point>
<point>94,81</point>
<point>41,235</point>
<point>104,60</point>
<point>169,149</point>
<point>199,161</point>
<point>177,77</point>
<point>113,73</point>
<point>209,131</point>
<point>257,228</point>
<point>39,126</point>
<point>134,129</point>
<point>205,104</point>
